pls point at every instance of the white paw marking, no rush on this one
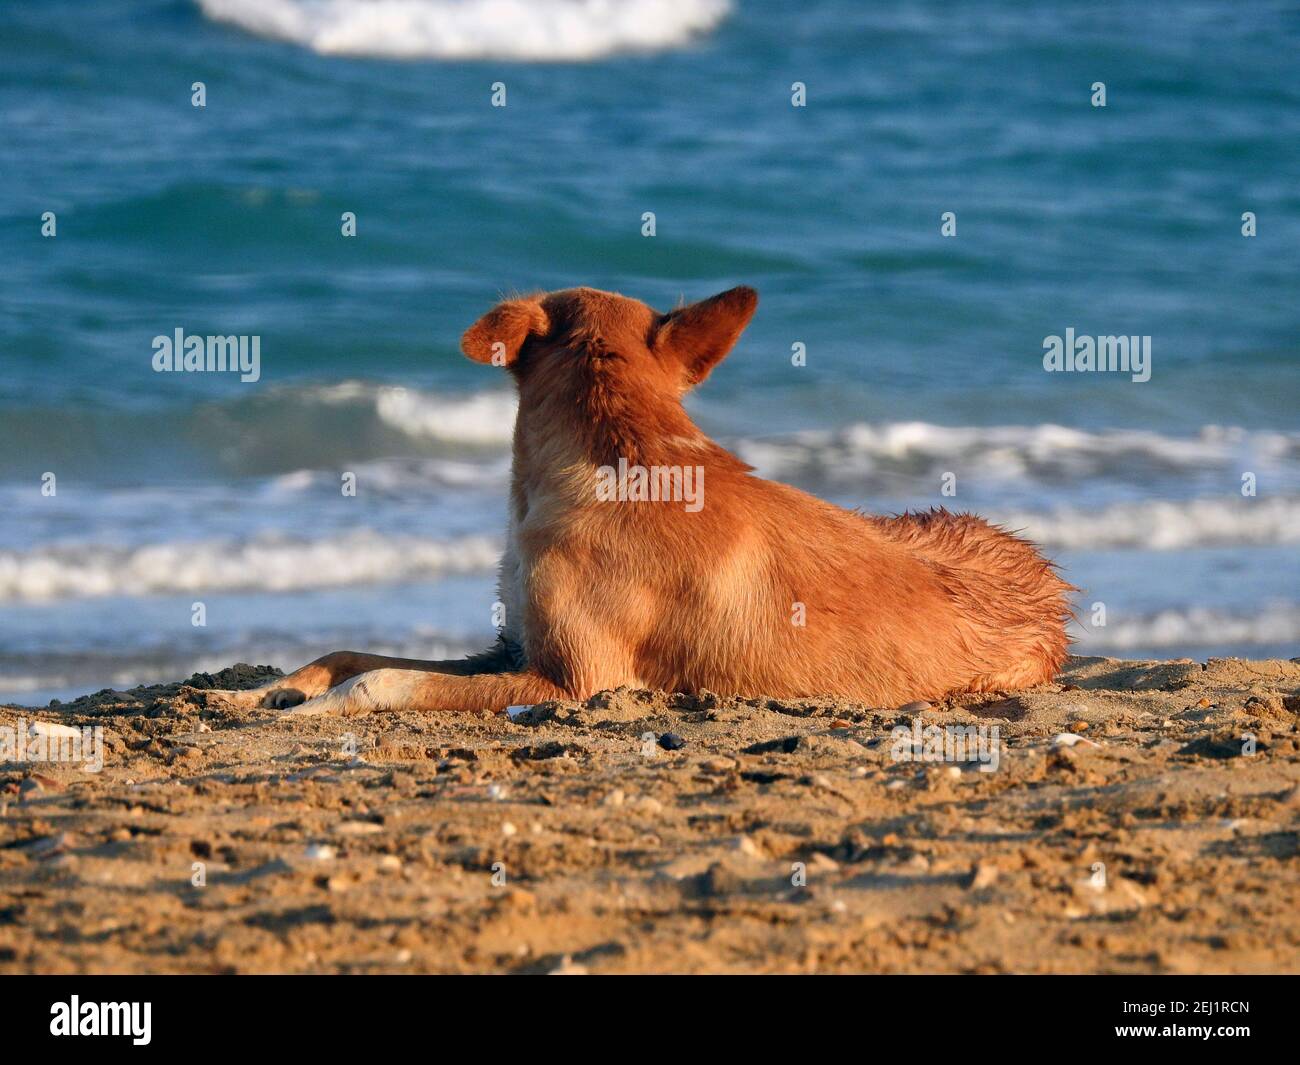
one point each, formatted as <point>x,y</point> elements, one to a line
<point>334,701</point>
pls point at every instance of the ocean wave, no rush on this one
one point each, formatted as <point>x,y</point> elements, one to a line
<point>1192,627</point>
<point>848,454</point>
<point>479,418</point>
<point>272,561</point>
<point>472,420</point>
<point>1160,525</point>
<point>1051,453</point>
<point>266,563</point>
<point>528,30</point>
<point>285,429</point>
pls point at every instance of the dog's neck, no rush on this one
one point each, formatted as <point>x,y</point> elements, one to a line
<point>560,440</point>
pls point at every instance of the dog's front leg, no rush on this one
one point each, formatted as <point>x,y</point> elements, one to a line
<point>318,677</point>
<point>410,689</point>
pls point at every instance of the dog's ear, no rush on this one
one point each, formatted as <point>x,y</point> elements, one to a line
<point>702,333</point>
<point>497,337</point>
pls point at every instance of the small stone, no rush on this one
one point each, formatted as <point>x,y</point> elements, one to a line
<point>670,741</point>
<point>1071,739</point>
<point>746,845</point>
<point>120,835</point>
<point>982,875</point>
<point>508,828</point>
<point>567,968</point>
<point>718,765</point>
<point>498,792</point>
<point>391,862</point>
<point>954,772</point>
<point>1204,703</point>
<point>919,706</point>
<point>719,880</point>
<point>821,863</point>
<point>46,846</point>
<point>650,805</point>
<point>319,852</point>
<point>1078,726</point>
<point>519,899</point>
<point>184,754</point>
<point>1064,758</point>
<point>613,798</point>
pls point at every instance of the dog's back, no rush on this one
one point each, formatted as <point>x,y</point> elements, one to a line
<point>786,595</point>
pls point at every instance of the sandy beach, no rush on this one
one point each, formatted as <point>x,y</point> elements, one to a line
<point>1142,817</point>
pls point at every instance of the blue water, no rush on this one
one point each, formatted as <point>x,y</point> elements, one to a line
<point>177,488</point>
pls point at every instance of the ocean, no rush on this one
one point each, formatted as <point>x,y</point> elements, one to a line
<point>177,498</point>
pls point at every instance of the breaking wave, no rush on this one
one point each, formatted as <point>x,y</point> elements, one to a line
<point>527,30</point>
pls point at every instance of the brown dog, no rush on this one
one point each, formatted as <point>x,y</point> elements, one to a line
<point>641,553</point>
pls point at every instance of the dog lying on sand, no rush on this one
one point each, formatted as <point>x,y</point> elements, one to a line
<point>641,553</point>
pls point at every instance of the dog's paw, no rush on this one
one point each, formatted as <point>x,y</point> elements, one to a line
<point>253,699</point>
<point>348,699</point>
<point>282,698</point>
<point>243,699</point>
<point>318,707</point>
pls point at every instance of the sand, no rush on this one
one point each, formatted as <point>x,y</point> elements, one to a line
<point>781,836</point>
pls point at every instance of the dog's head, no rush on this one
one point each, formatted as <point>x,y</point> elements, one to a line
<point>585,336</point>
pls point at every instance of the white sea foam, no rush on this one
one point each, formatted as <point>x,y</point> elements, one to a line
<point>266,563</point>
<point>1277,623</point>
<point>1158,525</point>
<point>474,419</point>
<point>1042,452</point>
<point>857,452</point>
<point>479,418</point>
<point>277,563</point>
<point>530,30</point>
